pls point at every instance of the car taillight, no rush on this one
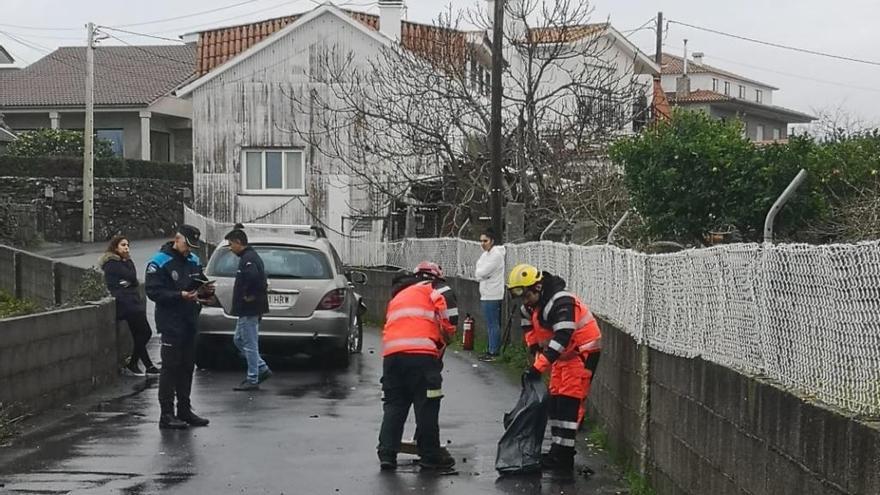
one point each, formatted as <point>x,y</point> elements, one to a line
<point>333,299</point>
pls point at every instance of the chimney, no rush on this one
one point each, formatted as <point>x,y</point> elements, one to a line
<point>698,58</point>
<point>683,83</point>
<point>390,12</point>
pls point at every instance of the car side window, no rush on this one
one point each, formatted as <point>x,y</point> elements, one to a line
<point>340,268</point>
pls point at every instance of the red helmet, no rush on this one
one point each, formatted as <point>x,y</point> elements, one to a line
<point>430,268</point>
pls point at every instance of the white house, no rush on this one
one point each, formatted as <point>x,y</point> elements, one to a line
<point>248,165</point>
<point>725,95</point>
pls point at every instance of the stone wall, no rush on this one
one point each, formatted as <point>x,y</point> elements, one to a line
<point>138,207</point>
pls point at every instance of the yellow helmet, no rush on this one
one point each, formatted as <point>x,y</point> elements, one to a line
<point>523,276</point>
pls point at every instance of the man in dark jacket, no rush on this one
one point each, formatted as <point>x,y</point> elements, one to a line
<point>175,282</point>
<point>249,303</point>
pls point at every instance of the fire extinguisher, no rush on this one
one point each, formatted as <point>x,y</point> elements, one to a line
<point>467,334</point>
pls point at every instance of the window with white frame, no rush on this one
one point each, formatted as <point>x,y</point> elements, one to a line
<point>273,171</point>
<point>777,134</point>
<point>759,96</point>
<point>715,84</point>
<point>726,88</point>
<point>742,91</point>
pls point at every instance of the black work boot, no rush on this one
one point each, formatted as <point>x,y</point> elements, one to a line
<point>440,461</point>
<point>387,462</point>
<point>559,465</point>
<point>169,422</point>
<point>189,417</point>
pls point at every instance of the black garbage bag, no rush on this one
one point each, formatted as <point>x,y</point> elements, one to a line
<point>519,450</point>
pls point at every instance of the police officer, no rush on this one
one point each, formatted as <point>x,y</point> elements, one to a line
<point>420,321</point>
<point>564,337</point>
<point>176,283</point>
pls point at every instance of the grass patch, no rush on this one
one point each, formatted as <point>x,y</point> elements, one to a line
<point>11,306</point>
<point>636,483</point>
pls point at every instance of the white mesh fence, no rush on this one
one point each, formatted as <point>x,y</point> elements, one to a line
<point>806,316</point>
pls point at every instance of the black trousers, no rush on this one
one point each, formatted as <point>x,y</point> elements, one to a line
<point>563,414</point>
<point>140,335</point>
<point>411,380</point>
<point>175,379</point>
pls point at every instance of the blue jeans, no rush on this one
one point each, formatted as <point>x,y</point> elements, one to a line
<point>492,311</point>
<point>247,341</point>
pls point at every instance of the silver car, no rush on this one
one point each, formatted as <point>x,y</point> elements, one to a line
<point>313,307</point>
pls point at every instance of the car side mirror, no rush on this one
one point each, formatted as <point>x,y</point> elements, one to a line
<point>357,277</point>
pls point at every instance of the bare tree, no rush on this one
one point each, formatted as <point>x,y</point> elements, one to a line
<point>416,117</point>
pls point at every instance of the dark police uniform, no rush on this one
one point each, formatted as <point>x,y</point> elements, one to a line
<point>168,273</point>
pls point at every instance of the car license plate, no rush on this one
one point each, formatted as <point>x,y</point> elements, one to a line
<point>279,300</point>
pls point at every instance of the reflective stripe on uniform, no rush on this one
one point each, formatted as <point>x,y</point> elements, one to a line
<point>565,442</point>
<point>525,323</point>
<point>585,320</point>
<point>591,346</point>
<point>449,313</point>
<point>553,299</point>
<point>556,346</point>
<point>567,425</point>
<point>564,325</point>
<point>435,393</point>
<point>411,342</point>
<point>410,313</point>
<point>437,293</point>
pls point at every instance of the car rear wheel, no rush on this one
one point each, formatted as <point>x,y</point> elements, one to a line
<point>340,357</point>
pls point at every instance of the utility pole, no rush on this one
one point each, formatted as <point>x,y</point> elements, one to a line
<point>495,179</point>
<point>658,53</point>
<point>88,224</point>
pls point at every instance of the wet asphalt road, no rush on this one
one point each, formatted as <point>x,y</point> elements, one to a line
<point>310,430</point>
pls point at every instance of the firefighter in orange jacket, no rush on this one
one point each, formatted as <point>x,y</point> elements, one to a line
<point>420,320</point>
<point>565,338</point>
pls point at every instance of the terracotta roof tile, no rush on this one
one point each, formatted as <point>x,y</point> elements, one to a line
<point>673,65</point>
<point>698,96</point>
<point>219,45</point>
<point>563,34</point>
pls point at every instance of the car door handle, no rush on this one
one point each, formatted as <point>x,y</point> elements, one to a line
<point>284,291</point>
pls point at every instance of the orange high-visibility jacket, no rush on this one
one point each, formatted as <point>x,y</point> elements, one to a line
<point>573,330</point>
<point>417,319</point>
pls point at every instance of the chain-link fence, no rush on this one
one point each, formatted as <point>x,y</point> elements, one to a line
<point>806,316</point>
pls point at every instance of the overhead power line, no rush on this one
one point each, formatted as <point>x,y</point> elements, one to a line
<point>778,45</point>
<point>138,34</point>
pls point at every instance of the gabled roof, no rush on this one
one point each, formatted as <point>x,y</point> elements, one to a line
<point>216,46</point>
<point>703,96</point>
<point>270,38</point>
<point>124,76</point>
<point>673,65</point>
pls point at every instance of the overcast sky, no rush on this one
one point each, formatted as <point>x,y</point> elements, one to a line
<point>807,82</point>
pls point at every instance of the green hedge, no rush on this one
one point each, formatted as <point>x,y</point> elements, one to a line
<point>51,166</point>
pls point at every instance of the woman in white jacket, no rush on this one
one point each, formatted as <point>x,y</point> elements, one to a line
<point>490,273</point>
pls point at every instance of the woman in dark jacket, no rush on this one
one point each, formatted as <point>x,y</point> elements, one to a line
<point>121,278</point>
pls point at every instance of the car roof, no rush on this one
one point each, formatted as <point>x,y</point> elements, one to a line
<point>287,240</point>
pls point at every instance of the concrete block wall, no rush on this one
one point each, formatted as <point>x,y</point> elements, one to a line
<point>8,276</point>
<point>713,430</point>
<point>37,278</point>
<point>53,356</point>
<point>377,293</point>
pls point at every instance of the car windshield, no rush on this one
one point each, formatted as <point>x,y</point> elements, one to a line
<point>280,262</point>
